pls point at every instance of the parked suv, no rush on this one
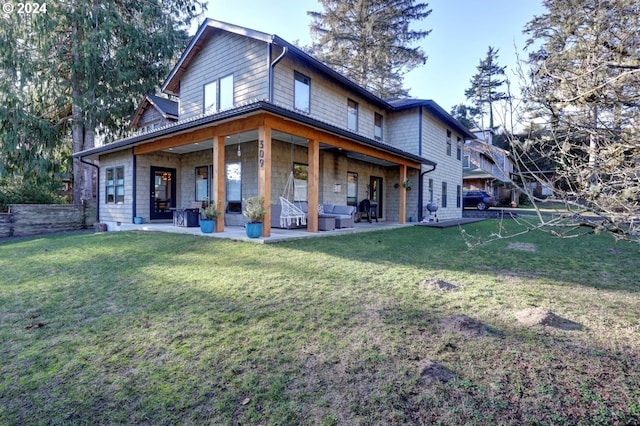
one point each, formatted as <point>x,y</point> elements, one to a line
<point>478,199</point>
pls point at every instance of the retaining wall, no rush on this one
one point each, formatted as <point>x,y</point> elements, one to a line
<point>34,219</point>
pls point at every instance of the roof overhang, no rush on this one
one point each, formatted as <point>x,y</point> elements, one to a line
<point>241,112</point>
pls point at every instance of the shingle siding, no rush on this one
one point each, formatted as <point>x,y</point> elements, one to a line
<point>224,54</point>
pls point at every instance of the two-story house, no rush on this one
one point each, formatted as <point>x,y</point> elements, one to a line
<point>253,110</point>
<point>488,168</point>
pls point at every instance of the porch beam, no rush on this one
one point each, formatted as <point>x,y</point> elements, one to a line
<point>264,174</point>
<point>217,191</point>
<point>304,131</point>
<point>313,184</point>
<point>193,136</point>
<point>402,208</point>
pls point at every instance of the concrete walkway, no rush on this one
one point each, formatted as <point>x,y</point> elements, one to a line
<point>237,233</point>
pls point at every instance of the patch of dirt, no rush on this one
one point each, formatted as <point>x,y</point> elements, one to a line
<point>432,372</point>
<point>531,317</point>
<point>435,284</point>
<point>528,247</point>
<point>463,325</point>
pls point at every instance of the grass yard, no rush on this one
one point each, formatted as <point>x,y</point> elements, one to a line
<point>391,327</point>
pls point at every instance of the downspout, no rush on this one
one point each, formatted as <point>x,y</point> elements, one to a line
<point>134,207</point>
<point>420,196</point>
<point>97,187</point>
<point>272,66</point>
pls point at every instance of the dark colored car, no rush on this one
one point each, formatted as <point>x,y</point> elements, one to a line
<point>478,199</point>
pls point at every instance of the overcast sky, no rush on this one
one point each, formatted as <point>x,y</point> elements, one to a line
<point>462,31</point>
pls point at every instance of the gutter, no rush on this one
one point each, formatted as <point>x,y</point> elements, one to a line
<point>97,187</point>
<point>420,196</point>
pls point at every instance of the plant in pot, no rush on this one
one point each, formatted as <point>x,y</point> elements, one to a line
<point>255,211</point>
<point>208,216</point>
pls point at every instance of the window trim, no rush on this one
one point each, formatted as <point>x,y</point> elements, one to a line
<point>218,94</point>
<point>375,127</point>
<point>115,186</point>
<point>349,114</point>
<point>305,80</point>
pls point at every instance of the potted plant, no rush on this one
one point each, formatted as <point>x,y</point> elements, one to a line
<point>208,216</point>
<point>254,210</point>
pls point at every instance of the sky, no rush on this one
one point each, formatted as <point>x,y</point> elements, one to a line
<point>462,31</point>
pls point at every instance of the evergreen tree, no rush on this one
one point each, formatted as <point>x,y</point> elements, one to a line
<point>465,114</point>
<point>585,83</point>
<point>78,67</point>
<point>485,84</point>
<point>370,41</point>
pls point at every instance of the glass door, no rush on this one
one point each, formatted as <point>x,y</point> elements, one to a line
<point>163,193</point>
<point>375,193</point>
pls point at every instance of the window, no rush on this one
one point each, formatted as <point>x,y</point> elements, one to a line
<point>466,162</point>
<point>114,185</point>
<point>226,92</point>
<point>449,143</point>
<point>459,148</point>
<point>377,129</point>
<point>431,190</point>
<point>202,183</point>
<point>444,194</point>
<point>458,196</point>
<point>300,177</point>
<point>234,187</point>
<point>352,115</point>
<point>211,97</point>
<point>218,94</point>
<point>352,189</point>
<point>301,92</point>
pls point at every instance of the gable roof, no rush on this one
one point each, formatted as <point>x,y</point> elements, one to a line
<point>166,107</point>
<point>209,26</point>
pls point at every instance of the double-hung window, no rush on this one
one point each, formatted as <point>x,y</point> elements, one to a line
<point>459,149</point>
<point>377,129</point>
<point>449,143</point>
<point>218,94</point>
<point>301,92</point>
<point>352,115</point>
<point>458,196</point>
<point>114,185</point>
<point>431,190</point>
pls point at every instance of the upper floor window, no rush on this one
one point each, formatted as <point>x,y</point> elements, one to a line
<point>352,115</point>
<point>459,149</point>
<point>218,94</point>
<point>449,143</point>
<point>301,92</point>
<point>377,129</point>
<point>114,185</point>
<point>466,162</point>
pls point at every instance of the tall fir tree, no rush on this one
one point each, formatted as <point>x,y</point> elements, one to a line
<point>485,84</point>
<point>370,41</point>
<point>80,66</point>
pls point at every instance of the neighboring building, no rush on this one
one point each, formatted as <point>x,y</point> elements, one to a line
<point>154,112</point>
<point>489,168</point>
<point>252,110</point>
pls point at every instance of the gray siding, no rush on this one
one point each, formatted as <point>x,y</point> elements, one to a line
<point>224,54</point>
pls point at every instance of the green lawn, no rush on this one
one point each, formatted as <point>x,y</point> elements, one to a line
<point>147,328</point>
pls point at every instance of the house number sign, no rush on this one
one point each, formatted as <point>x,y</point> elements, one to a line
<point>261,154</point>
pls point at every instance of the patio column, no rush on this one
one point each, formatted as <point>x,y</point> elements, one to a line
<point>217,191</point>
<point>402,210</point>
<point>313,184</point>
<point>264,174</point>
